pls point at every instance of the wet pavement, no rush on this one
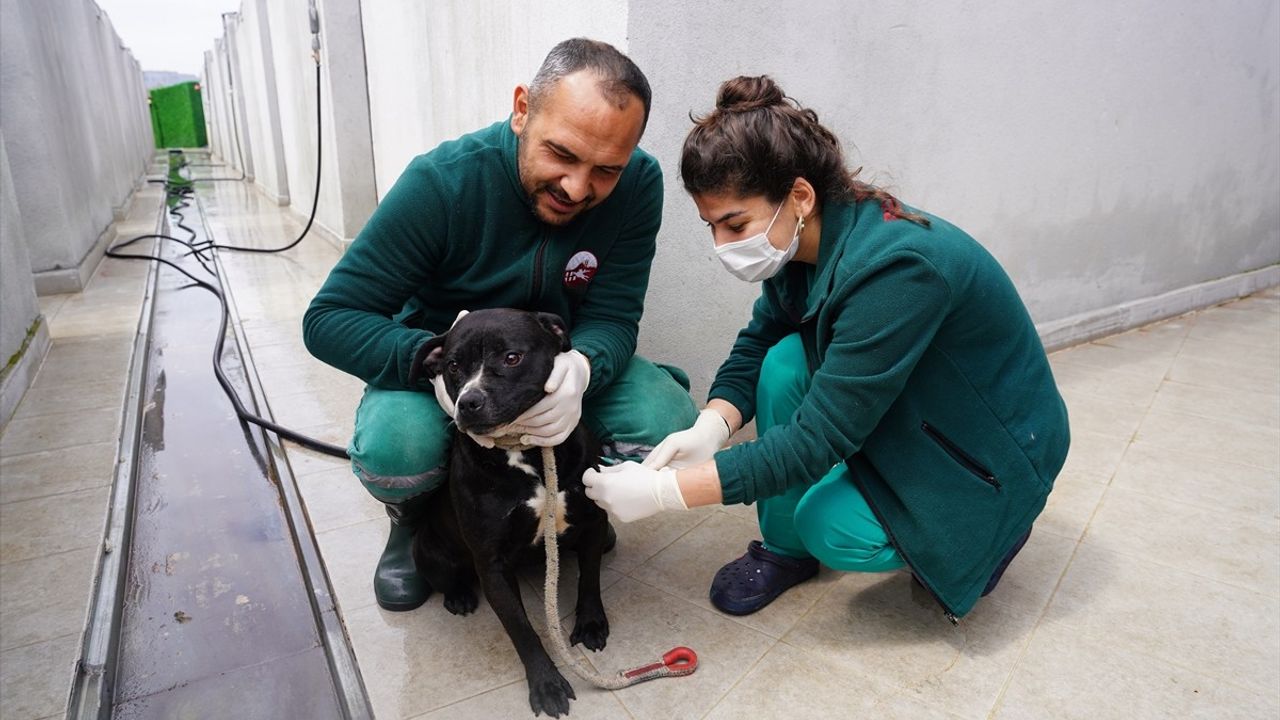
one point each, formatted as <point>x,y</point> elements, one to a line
<point>216,611</point>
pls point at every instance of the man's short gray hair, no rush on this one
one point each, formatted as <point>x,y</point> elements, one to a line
<point>619,77</point>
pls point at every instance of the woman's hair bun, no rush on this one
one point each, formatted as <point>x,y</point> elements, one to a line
<point>745,93</point>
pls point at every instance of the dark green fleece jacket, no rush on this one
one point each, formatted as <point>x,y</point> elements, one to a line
<point>929,381</point>
<point>457,232</point>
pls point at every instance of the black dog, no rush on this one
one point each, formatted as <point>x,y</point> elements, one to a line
<point>495,363</point>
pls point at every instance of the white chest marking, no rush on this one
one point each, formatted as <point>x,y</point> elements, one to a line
<point>537,504</point>
<point>515,459</point>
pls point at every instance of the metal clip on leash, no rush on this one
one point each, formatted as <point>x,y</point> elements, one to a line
<point>676,662</point>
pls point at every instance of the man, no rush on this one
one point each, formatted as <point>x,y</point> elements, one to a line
<point>555,209</point>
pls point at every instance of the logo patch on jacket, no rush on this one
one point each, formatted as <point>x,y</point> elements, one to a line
<point>580,269</point>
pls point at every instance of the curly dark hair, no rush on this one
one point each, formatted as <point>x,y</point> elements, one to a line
<point>758,140</point>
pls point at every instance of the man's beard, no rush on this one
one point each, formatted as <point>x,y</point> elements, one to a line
<point>547,187</point>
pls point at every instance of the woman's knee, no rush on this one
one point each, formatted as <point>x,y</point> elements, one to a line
<point>840,536</point>
<point>784,380</point>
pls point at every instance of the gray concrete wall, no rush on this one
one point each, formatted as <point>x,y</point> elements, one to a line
<point>24,334</point>
<point>253,46</point>
<point>346,176</point>
<point>441,69</point>
<point>1104,154</point>
<point>1123,163</point>
<point>76,128</point>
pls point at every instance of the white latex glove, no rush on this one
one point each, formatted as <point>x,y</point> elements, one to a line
<point>631,491</point>
<point>693,446</point>
<point>552,418</point>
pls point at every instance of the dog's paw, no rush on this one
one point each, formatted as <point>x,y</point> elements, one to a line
<point>551,695</point>
<point>462,602</point>
<point>592,631</point>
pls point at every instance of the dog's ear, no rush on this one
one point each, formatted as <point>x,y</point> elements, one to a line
<point>429,360</point>
<point>554,325</point>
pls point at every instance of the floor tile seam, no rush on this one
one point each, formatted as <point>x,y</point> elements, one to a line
<point>93,542</point>
<point>1172,360</point>
<point>731,618</point>
<point>10,563</point>
<point>1231,421</point>
<point>1167,445</point>
<point>90,408</point>
<point>10,456</point>
<point>734,685</point>
<point>664,547</point>
<point>1106,642</point>
<point>830,587</point>
<point>897,688</point>
<point>461,700</point>
<point>1272,594</point>
<point>1103,368</point>
<point>107,483</point>
<point>343,526</point>
<point>115,433</point>
<point>74,633</point>
<point>1213,510</point>
<point>1186,384</point>
<point>1044,612</point>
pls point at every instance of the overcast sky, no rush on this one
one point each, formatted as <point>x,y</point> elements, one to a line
<point>168,34</point>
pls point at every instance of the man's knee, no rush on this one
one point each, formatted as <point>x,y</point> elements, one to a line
<point>641,407</point>
<point>400,444</point>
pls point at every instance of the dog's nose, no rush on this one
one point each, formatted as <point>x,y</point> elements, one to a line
<point>471,401</point>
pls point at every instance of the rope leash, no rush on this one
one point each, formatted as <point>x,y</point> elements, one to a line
<point>675,663</point>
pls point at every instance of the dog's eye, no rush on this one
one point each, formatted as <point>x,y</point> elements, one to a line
<point>512,359</point>
<point>452,367</point>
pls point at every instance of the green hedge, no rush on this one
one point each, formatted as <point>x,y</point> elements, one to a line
<point>177,116</point>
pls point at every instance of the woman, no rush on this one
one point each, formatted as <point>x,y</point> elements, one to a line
<point>905,409</point>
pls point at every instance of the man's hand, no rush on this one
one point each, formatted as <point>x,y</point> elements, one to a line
<point>554,417</point>
<point>631,491</point>
<point>693,446</point>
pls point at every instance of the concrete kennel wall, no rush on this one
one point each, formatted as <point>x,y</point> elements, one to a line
<point>23,336</point>
<point>76,128</point>
<point>439,70</point>
<point>1106,155</point>
<point>251,37</point>
<point>1123,164</point>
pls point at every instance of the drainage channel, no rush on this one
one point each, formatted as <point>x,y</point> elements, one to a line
<point>211,599</point>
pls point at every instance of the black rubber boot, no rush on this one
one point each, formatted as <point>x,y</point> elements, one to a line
<point>396,583</point>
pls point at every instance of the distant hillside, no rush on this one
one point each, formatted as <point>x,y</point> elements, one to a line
<point>163,78</point>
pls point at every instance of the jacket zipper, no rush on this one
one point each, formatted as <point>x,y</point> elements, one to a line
<point>960,456</point>
<point>946,611</point>
<point>537,270</point>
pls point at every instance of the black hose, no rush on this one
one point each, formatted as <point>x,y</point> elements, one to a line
<point>315,200</point>
<point>218,346</point>
<point>178,188</point>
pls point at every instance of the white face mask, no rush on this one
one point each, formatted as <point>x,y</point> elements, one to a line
<point>755,258</point>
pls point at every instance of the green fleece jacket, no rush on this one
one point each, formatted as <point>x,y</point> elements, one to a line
<point>457,232</point>
<point>929,382</point>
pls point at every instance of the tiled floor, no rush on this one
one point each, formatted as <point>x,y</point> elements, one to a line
<point>57,458</point>
<point>1150,589</point>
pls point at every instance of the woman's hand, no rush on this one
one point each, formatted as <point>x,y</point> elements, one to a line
<point>631,491</point>
<point>693,446</point>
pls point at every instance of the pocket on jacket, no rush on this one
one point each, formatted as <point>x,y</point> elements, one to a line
<point>962,458</point>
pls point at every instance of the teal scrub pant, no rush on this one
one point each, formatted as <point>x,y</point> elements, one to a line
<point>400,445</point>
<point>829,520</point>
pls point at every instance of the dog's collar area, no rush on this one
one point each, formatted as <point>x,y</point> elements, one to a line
<point>511,442</point>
